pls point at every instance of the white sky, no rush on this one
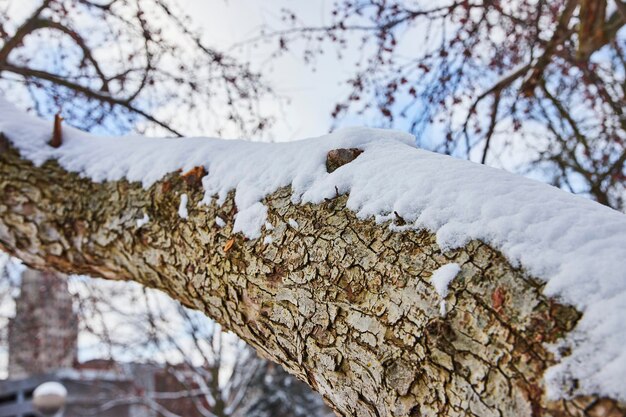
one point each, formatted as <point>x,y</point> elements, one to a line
<point>313,93</point>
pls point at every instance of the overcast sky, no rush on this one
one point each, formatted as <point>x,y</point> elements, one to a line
<point>313,93</point>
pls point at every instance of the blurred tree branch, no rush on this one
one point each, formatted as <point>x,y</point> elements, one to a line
<point>136,64</point>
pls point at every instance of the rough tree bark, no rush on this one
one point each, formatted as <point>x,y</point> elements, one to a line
<point>344,304</point>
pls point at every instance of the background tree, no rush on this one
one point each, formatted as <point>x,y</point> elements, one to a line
<point>129,63</point>
<point>218,372</point>
<point>533,83</point>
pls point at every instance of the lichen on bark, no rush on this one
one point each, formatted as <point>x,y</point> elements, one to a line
<point>344,304</point>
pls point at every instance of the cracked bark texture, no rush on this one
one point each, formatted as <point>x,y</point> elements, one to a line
<point>344,304</point>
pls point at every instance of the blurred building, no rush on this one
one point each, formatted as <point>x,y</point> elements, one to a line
<point>43,335</point>
<point>43,346</point>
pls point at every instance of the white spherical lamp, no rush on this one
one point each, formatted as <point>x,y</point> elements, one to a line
<point>49,398</point>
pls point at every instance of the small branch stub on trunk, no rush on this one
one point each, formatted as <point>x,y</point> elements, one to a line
<point>57,134</point>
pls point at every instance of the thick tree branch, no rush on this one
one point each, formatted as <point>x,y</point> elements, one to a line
<point>344,304</point>
<point>594,31</point>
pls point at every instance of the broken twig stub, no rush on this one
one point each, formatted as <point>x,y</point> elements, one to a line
<point>57,134</point>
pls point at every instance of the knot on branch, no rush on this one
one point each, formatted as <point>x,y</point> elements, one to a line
<point>339,157</point>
